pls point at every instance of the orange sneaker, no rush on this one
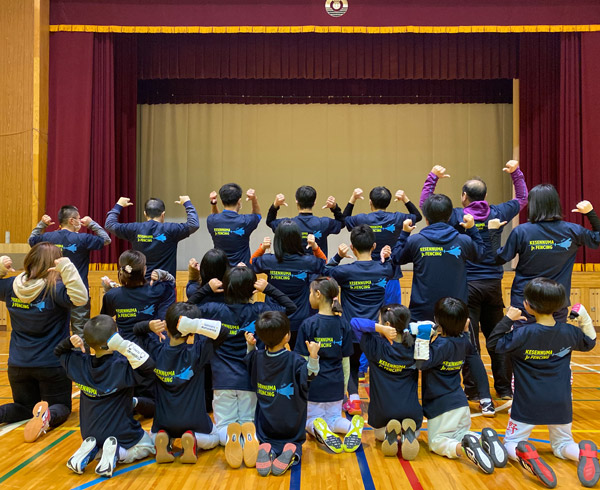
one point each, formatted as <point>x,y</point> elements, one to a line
<point>39,424</point>
<point>353,407</point>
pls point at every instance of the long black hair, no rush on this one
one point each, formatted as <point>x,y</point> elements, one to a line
<point>214,265</point>
<point>287,240</point>
<point>544,204</point>
<point>238,284</point>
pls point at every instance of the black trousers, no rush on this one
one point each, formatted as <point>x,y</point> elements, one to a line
<point>354,368</point>
<point>486,309</point>
<point>30,385</point>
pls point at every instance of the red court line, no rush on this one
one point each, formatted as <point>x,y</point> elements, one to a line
<point>410,474</point>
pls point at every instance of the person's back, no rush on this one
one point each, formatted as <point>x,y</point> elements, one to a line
<point>439,254</point>
<point>106,381</point>
<point>156,239</point>
<point>230,230</point>
<point>309,224</point>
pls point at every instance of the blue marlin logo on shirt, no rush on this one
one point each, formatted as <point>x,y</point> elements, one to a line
<point>318,234</point>
<point>161,237</point>
<point>390,228</point>
<point>186,374</point>
<point>456,251</point>
<point>286,390</point>
<point>566,244</point>
<point>40,305</point>
<point>251,327</point>
<point>301,275</point>
<point>71,248</point>
<point>565,351</point>
<point>239,231</point>
<point>338,342</point>
<point>381,283</point>
<point>148,310</point>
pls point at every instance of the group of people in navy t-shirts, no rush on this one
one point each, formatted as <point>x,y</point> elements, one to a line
<point>271,371</point>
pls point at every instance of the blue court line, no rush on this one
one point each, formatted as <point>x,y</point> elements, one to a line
<point>116,473</point>
<point>365,472</point>
<point>296,476</point>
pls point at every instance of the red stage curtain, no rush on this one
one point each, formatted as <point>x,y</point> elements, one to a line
<point>329,56</point>
<point>92,135</point>
<point>69,123</point>
<point>312,12</point>
<point>215,91</point>
<point>590,122</point>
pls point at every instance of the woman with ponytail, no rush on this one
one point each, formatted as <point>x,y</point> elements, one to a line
<point>326,393</point>
<point>39,301</point>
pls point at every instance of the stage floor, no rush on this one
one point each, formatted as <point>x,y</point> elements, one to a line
<point>42,464</point>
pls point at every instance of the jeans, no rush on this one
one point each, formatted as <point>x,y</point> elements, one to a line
<point>30,385</point>
<point>486,309</point>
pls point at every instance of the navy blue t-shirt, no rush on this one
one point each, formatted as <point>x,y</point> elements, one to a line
<point>157,241</point>
<point>180,397</point>
<point>231,232</point>
<point>292,276</point>
<point>75,246</point>
<point>387,228</point>
<point>133,305</point>
<point>441,389</point>
<point>393,380</point>
<point>106,404</point>
<point>546,249</point>
<point>310,224</point>
<point>541,360</point>
<point>37,327</point>
<point>228,367</point>
<point>487,268</point>
<point>335,336</point>
<point>199,294</point>
<point>439,254</point>
<point>281,383</point>
<point>363,286</point>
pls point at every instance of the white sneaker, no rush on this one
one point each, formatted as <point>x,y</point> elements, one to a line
<point>110,453</point>
<point>83,455</point>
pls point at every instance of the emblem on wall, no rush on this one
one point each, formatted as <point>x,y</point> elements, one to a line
<point>336,8</point>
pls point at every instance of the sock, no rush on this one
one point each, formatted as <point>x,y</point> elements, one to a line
<point>354,397</point>
<point>122,453</point>
<point>485,400</point>
<point>571,451</point>
<point>206,441</point>
<point>511,449</point>
<point>341,425</point>
<point>222,435</point>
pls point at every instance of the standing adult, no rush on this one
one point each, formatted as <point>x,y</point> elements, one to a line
<point>156,239</point>
<point>484,278</point>
<point>76,247</point>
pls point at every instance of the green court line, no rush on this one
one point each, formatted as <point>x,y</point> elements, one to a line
<point>6,476</point>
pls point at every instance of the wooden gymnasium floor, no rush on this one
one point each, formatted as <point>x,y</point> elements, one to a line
<point>41,465</point>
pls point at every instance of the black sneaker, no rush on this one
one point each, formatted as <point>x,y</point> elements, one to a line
<point>475,453</point>
<point>487,408</point>
<point>389,446</point>
<point>410,444</point>
<point>491,444</point>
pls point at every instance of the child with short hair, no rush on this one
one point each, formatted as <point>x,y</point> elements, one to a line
<point>230,230</point>
<point>156,239</point>
<point>106,380</point>
<point>281,380</point>
<point>444,402</point>
<point>180,402</point>
<point>394,408</point>
<point>308,223</point>
<point>326,393</point>
<point>234,399</point>
<point>541,356</point>
<point>75,246</point>
<point>386,226</point>
<point>363,285</point>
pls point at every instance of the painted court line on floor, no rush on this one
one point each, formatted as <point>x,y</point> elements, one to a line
<point>583,366</point>
<point>365,472</point>
<point>6,476</point>
<point>410,473</point>
<point>296,476</point>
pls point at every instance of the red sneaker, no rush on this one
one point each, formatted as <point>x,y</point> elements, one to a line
<point>353,407</point>
<point>588,469</point>
<point>531,461</point>
<point>39,424</point>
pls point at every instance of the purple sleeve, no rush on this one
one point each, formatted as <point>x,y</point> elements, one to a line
<point>362,325</point>
<point>520,187</point>
<point>428,188</point>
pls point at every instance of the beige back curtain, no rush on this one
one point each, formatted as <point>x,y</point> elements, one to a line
<point>195,148</point>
